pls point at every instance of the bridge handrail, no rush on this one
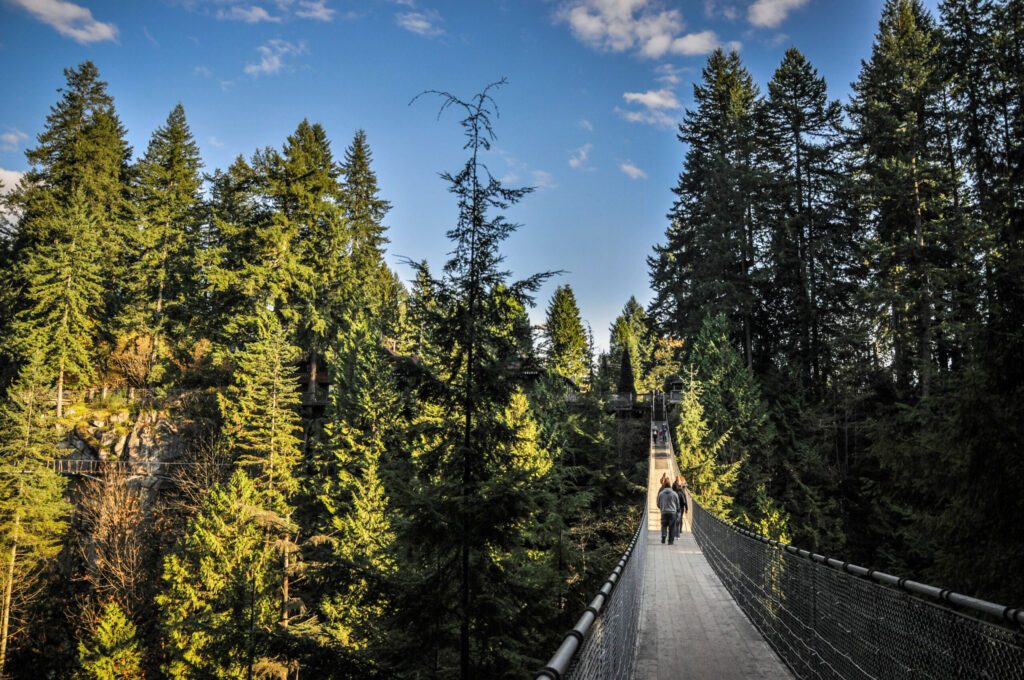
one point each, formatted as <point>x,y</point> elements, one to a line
<point>564,662</point>
<point>825,624</point>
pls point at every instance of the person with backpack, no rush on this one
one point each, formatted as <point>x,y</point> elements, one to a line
<point>668,503</point>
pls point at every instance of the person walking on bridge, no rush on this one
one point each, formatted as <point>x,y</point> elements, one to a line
<point>668,503</point>
<point>679,486</point>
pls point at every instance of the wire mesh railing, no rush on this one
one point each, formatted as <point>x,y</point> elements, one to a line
<point>603,643</point>
<point>833,619</point>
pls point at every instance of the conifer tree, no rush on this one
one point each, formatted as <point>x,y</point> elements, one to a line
<point>303,184</point>
<point>896,113</point>
<point>353,508</point>
<point>567,340</point>
<point>165,244</point>
<point>709,477</point>
<point>731,402</point>
<point>112,652</point>
<point>63,292</point>
<point>81,160</point>
<point>260,411</point>
<point>220,601</point>
<point>707,264</point>
<point>808,259</point>
<point>365,211</point>
<point>461,452</point>
<point>33,511</point>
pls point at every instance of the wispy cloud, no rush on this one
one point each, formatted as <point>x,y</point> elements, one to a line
<point>314,9</point>
<point>541,179</point>
<point>668,74</point>
<point>630,169</point>
<point>202,72</point>
<point>657,105</point>
<point>653,99</point>
<point>249,14</point>
<point>216,143</point>
<point>149,37</point>
<point>264,11</point>
<point>578,158</point>
<point>273,55</point>
<point>643,26</point>
<point>11,139</point>
<point>771,13</point>
<point>423,23</point>
<point>586,125</point>
<point>68,19</point>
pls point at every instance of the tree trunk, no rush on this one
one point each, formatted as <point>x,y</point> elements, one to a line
<point>8,590</point>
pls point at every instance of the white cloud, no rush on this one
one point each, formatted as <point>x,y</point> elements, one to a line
<point>202,72</point>
<point>272,57</point>
<point>280,11</point>
<point>631,170</point>
<point>542,179</point>
<point>249,14</point>
<point>69,19</point>
<point>696,43</point>
<point>586,125</point>
<point>653,99</point>
<point>10,140</point>
<point>771,13</point>
<point>149,37</point>
<point>314,9</point>
<point>640,25</point>
<point>216,143</point>
<point>421,23</point>
<point>648,117</point>
<point>579,157</point>
<point>668,74</point>
<point>657,105</point>
<point>10,179</point>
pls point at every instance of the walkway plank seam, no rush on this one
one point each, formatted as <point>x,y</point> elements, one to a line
<point>689,625</point>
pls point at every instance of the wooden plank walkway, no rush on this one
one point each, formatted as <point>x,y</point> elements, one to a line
<point>690,627</point>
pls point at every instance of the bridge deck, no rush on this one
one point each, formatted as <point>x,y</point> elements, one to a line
<point>689,625</point>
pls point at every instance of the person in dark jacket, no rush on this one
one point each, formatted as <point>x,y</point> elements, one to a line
<point>679,486</point>
<point>668,503</point>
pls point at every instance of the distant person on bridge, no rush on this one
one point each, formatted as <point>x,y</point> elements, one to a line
<point>668,503</point>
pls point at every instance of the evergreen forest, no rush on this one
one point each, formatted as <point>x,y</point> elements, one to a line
<point>292,463</point>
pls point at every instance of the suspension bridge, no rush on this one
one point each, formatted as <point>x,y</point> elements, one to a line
<point>724,602</point>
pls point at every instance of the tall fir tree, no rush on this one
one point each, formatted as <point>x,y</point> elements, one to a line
<point>707,264</point>
<point>365,211</point>
<point>567,339</point>
<point>33,510</point>
<point>163,275</point>
<point>81,160</point>
<point>62,280</point>
<point>461,454</point>
<point>220,601</point>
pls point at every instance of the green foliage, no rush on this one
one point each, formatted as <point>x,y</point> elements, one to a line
<point>33,510</point>
<point>63,291</point>
<point>112,651</point>
<point>219,603</point>
<point>709,477</point>
<point>163,274</point>
<point>567,341</point>
<point>260,411</point>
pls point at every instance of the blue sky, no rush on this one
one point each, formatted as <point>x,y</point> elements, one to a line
<point>588,117</point>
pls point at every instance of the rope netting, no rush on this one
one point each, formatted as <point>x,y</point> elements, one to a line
<point>832,619</point>
<point>603,643</point>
